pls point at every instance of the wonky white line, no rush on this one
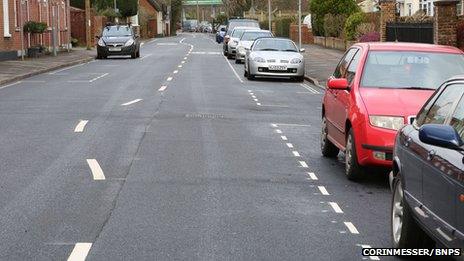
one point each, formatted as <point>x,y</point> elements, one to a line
<point>80,126</point>
<point>351,227</point>
<point>97,172</point>
<point>80,252</point>
<point>131,102</point>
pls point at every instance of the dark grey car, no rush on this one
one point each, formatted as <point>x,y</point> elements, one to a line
<point>428,173</point>
<point>118,40</point>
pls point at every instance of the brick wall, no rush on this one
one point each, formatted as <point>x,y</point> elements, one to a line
<point>306,34</point>
<point>387,15</point>
<point>445,23</point>
<point>148,16</point>
<point>9,43</point>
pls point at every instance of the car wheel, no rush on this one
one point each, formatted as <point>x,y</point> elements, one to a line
<point>229,56</point>
<point>299,79</point>
<point>237,61</point>
<point>405,231</point>
<point>328,149</point>
<point>353,170</point>
<point>245,73</point>
<point>134,55</point>
<point>138,54</point>
<point>249,76</point>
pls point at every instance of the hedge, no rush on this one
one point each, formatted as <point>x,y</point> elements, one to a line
<point>351,24</point>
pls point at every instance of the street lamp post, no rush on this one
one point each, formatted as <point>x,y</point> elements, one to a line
<point>299,24</point>
<point>269,11</point>
<point>198,12</point>
<point>21,29</point>
<point>88,24</point>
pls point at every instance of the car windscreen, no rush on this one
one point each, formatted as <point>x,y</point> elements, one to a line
<point>251,36</point>
<point>410,70</point>
<point>237,33</point>
<point>274,45</point>
<point>117,31</point>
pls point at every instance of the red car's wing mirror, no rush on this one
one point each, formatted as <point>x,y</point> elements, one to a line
<point>337,83</point>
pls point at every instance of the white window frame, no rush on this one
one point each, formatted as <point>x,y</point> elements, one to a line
<point>6,19</point>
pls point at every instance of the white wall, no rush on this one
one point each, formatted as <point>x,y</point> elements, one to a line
<point>6,19</point>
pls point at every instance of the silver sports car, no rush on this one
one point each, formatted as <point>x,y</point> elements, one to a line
<point>274,57</point>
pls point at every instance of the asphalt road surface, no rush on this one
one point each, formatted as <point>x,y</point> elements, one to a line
<point>176,156</point>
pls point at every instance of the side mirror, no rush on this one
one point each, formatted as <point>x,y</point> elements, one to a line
<point>444,136</point>
<point>302,50</point>
<point>337,84</point>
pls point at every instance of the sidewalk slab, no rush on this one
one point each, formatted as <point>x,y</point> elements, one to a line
<point>15,70</point>
<point>320,63</point>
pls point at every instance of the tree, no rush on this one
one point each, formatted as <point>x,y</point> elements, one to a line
<point>319,8</point>
<point>128,8</point>
<point>176,11</point>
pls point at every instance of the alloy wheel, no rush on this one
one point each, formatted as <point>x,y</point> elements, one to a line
<point>397,213</point>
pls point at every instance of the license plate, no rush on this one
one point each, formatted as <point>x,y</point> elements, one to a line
<point>278,67</point>
<point>115,49</point>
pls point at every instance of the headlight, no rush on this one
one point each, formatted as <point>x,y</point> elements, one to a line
<point>241,50</point>
<point>296,61</point>
<point>259,60</point>
<point>129,42</point>
<point>101,42</point>
<point>387,122</point>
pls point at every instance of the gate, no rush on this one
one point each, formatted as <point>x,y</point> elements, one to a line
<point>410,32</point>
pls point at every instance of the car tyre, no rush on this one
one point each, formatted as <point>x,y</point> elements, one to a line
<point>299,79</point>
<point>245,73</point>
<point>134,55</point>
<point>405,232</point>
<point>328,149</point>
<point>237,61</point>
<point>138,54</point>
<point>249,76</point>
<point>353,170</point>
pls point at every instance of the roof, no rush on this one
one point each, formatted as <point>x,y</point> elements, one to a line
<point>202,2</point>
<point>401,46</point>
<point>155,4</point>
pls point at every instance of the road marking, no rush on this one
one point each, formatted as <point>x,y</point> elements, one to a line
<point>309,88</point>
<point>370,257</point>
<point>97,172</point>
<point>131,102</point>
<point>351,227</point>
<point>185,58</point>
<point>182,62</point>
<point>249,91</point>
<point>32,81</point>
<point>80,252</point>
<point>304,165</point>
<point>336,207</point>
<point>80,126</point>
<point>11,84</point>
<point>175,72</point>
<point>323,190</point>
<point>231,67</point>
<point>180,66</point>
<point>294,125</point>
<point>296,154</point>
<point>253,96</point>
<point>284,137</point>
<point>274,125</point>
<point>278,131</point>
<point>145,56</point>
<point>67,68</point>
<point>99,77</point>
<point>312,176</point>
<point>169,79</point>
<point>255,100</point>
<point>290,145</point>
<point>162,88</point>
<point>259,104</point>
<point>280,106</point>
<point>182,40</point>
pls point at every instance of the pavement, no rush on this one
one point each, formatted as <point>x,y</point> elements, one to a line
<point>176,156</point>
<point>320,63</point>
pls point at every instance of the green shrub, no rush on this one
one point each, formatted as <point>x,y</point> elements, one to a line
<point>264,25</point>
<point>319,8</point>
<point>35,27</point>
<point>333,25</point>
<point>283,26</point>
<point>351,24</point>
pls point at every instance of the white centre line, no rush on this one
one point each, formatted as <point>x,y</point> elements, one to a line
<point>312,176</point>
<point>336,207</point>
<point>284,137</point>
<point>278,131</point>
<point>290,145</point>
<point>296,154</point>
<point>145,56</point>
<point>253,96</point>
<point>274,125</point>
<point>235,72</point>
<point>162,88</point>
<point>97,172</point>
<point>80,252</point>
<point>80,126</point>
<point>255,100</point>
<point>303,164</point>
<point>180,66</point>
<point>323,190</point>
<point>175,72</point>
<point>185,58</point>
<point>259,104</point>
<point>99,77</point>
<point>169,79</point>
<point>131,102</point>
<point>370,257</point>
<point>182,62</point>
<point>351,227</point>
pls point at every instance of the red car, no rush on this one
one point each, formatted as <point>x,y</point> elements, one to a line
<point>375,90</point>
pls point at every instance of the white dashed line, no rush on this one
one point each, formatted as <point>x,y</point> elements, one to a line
<point>131,102</point>
<point>162,88</point>
<point>259,104</point>
<point>274,125</point>
<point>296,154</point>
<point>80,126</point>
<point>175,72</point>
<point>249,90</point>
<point>335,207</point>
<point>278,131</point>
<point>182,62</point>
<point>80,252</point>
<point>303,164</point>
<point>145,56</point>
<point>323,190</point>
<point>180,66</point>
<point>97,172</point>
<point>253,96</point>
<point>290,145</point>
<point>169,79</point>
<point>284,137</point>
<point>255,100</point>
<point>99,77</point>
<point>370,257</point>
<point>312,176</point>
<point>235,72</point>
<point>185,58</point>
<point>351,227</point>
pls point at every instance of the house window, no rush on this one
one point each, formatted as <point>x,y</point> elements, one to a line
<point>6,19</point>
<point>409,9</point>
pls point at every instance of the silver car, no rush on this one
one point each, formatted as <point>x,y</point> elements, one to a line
<point>247,39</point>
<point>275,57</point>
<point>230,44</point>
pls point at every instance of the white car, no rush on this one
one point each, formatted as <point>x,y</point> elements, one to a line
<point>247,39</point>
<point>230,44</point>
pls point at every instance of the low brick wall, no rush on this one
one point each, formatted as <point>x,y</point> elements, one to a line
<point>319,40</point>
<point>333,43</point>
<point>306,34</point>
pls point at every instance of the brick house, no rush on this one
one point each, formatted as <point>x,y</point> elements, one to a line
<point>13,13</point>
<point>152,19</point>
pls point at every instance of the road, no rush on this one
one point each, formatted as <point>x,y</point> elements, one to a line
<point>176,156</point>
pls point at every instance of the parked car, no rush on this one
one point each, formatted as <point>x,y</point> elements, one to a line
<point>231,45</point>
<point>275,57</point>
<point>428,174</point>
<point>375,90</point>
<point>118,40</point>
<point>221,32</point>
<point>246,40</point>
<point>235,23</point>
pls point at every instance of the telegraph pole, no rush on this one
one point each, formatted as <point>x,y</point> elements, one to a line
<point>269,10</point>
<point>299,24</point>
<point>87,25</point>
<point>198,13</point>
